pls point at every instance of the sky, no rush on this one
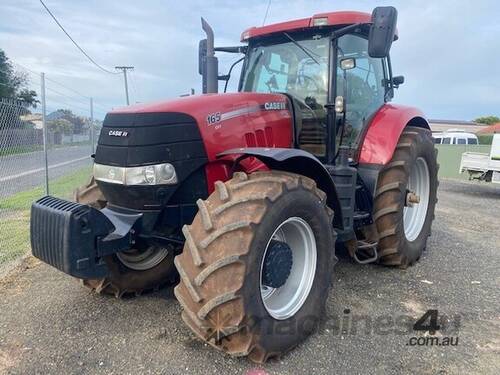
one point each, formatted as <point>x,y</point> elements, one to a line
<point>448,50</point>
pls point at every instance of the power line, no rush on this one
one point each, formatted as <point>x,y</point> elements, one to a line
<point>75,43</point>
<point>66,87</point>
<point>37,75</point>
<point>26,77</point>
<point>69,105</point>
<point>76,99</point>
<point>265,16</point>
<point>102,106</point>
<point>53,81</point>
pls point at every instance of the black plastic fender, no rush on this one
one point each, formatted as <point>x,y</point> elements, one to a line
<point>296,161</point>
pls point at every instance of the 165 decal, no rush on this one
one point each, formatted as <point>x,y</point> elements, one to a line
<point>213,118</point>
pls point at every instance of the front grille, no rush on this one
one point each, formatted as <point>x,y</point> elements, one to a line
<point>150,138</point>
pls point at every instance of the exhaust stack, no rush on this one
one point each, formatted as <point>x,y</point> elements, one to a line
<point>208,63</point>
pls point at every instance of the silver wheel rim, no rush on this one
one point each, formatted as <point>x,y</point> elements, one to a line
<point>141,260</point>
<point>414,216</point>
<point>284,302</point>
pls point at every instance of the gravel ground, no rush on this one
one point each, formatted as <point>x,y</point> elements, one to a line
<point>51,324</point>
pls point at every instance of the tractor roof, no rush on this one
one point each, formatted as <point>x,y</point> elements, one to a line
<point>322,19</point>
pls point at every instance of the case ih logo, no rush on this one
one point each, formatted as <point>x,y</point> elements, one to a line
<point>269,106</point>
<point>118,133</point>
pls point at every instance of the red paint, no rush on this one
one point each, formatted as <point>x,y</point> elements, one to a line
<point>384,131</point>
<point>333,19</point>
<point>217,171</point>
<point>261,128</point>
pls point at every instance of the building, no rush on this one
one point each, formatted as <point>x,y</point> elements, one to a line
<point>34,118</point>
<point>492,129</point>
<point>446,125</point>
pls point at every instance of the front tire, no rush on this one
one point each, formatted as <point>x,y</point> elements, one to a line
<point>221,267</point>
<point>134,271</point>
<point>404,226</point>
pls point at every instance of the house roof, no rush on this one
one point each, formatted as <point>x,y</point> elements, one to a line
<point>495,128</point>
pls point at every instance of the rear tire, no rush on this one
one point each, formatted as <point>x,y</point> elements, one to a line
<point>403,236</point>
<point>221,266</point>
<point>125,277</point>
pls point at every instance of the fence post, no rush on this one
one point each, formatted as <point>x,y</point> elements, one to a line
<point>92,125</point>
<point>45,135</point>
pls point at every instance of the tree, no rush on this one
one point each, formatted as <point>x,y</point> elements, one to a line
<point>13,84</point>
<point>60,125</point>
<point>77,122</point>
<point>488,120</point>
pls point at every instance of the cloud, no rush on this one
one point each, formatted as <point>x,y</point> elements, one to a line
<point>447,50</point>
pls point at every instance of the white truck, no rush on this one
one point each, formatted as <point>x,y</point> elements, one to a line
<point>483,166</point>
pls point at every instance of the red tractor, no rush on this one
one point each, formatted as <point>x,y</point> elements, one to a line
<point>245,196</point>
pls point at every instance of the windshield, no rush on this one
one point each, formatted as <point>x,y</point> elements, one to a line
<point>295,64</point>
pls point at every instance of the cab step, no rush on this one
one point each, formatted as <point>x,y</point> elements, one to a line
<point>366,252</point>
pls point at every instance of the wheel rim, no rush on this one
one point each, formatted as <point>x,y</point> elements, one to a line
<point>419,184</point>
<point>282,303</point>
<point>141,260</point>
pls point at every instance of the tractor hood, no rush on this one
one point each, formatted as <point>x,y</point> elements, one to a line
<point>187,133</point>
<point>224,121</point>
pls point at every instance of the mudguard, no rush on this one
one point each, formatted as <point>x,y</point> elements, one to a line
<point>384,131</point>
<point>296,161</point>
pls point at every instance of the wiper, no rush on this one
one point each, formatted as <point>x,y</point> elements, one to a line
<point>304,49</point>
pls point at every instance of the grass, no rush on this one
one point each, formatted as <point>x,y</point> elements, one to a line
<point>14,236</point>
<point>61,187</point>
<point>20,149</point>
<point>15,212</point>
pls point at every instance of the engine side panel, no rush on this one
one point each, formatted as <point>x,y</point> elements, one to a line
<point>384,131</point>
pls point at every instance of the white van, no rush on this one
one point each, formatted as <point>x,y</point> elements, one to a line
<point>455,137</point>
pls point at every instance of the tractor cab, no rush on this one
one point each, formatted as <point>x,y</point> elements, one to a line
<point>336,76</point>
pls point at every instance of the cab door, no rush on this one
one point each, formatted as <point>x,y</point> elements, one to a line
<point>363,87</point>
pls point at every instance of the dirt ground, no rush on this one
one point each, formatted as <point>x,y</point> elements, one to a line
<point>50,324</point>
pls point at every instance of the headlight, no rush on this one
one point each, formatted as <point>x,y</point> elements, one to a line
<point>159,174</point>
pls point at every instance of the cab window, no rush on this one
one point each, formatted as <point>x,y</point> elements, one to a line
<point>362,87</point>
<point>275,77</point>
<point>296,64</point>
<point>461,141</point>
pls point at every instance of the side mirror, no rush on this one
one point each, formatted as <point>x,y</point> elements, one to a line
<point>398,80</point>
<point>202,56</point>
<point>348,64</point>
<point>382,31</point>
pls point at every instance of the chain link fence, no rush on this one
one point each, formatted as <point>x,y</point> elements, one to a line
<point>40,153</point>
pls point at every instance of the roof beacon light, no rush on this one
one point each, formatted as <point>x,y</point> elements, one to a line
<point>323,21</point>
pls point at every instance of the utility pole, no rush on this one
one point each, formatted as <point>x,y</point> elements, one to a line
<point>124,70</point>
